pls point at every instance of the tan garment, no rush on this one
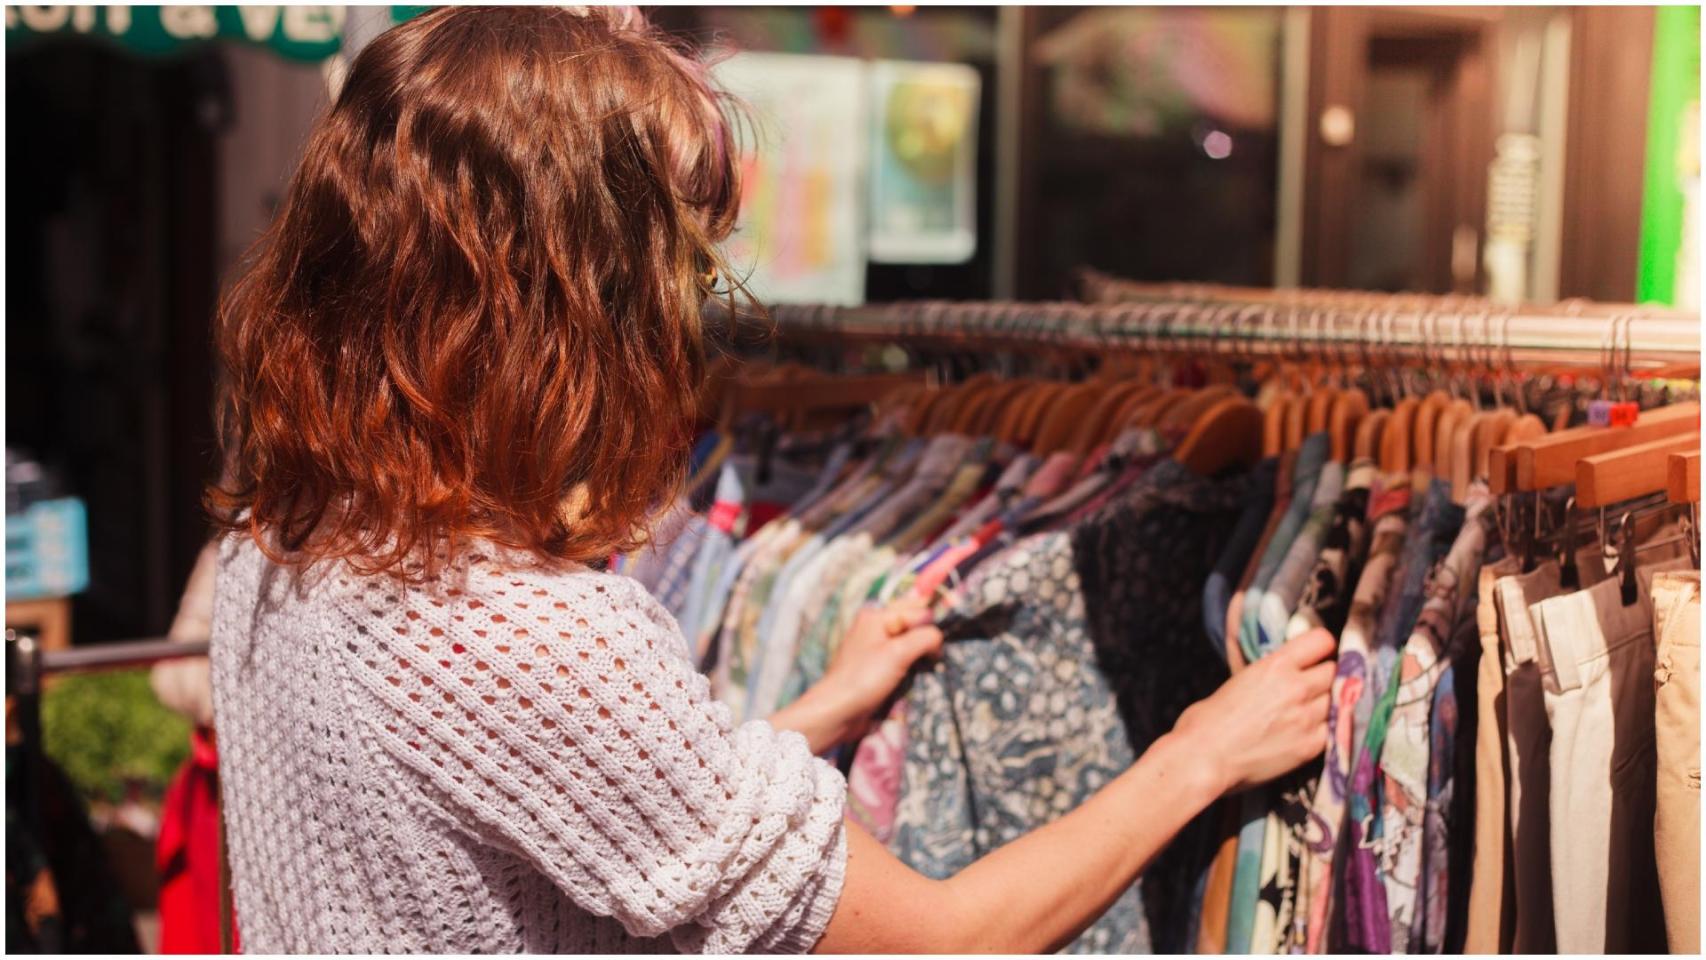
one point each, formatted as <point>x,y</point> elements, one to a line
<point>1676,825</point>
<point>1491,925</point>
<point>1217,893</point>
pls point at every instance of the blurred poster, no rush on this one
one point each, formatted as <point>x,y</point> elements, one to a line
<point>801,236</point>
<point>924,162</point>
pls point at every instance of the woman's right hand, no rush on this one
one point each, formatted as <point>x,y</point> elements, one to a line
<point>1270,718</point>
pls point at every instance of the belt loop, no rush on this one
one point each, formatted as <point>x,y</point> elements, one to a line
<point>1563,650</point>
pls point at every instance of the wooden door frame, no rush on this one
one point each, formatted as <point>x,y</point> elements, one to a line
<point>1338,71</point>
<point>1605,150</point>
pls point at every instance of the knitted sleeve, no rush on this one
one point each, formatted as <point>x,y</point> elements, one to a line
<point>554,716</point>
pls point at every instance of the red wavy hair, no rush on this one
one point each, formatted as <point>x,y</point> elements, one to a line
<point>477,312</point>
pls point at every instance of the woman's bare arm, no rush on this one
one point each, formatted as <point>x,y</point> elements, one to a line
<point>1039,892</point>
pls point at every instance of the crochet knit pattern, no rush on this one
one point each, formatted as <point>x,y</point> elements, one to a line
<point>501,759</point>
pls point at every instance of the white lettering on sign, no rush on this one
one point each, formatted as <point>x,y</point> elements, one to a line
<point>82,19</point>
<point>189,23</point>
<point>118,21</point>
<point>258,22</point>
<point>44,19</point>
<point>313,24</point>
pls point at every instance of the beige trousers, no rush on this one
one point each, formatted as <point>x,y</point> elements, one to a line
<point>1676,824</point>
<point>1491,926</point>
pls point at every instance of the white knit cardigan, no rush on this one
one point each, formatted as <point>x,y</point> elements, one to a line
<point>500,760</point>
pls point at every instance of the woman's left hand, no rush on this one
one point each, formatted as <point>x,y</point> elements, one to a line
<point>870,662</point>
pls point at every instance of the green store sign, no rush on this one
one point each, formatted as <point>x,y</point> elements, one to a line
<point>308,33</point>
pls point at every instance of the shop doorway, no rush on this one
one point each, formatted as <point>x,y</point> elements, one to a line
<point>1402,125</point>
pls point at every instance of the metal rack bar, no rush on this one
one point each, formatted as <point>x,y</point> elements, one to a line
<point>1384,327</point>
<point>113,656</point>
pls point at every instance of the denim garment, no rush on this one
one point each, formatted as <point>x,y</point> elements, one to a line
<point>1305,473</point>
<point>1217,591</point>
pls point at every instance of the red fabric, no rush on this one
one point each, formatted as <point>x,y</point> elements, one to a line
<point>761,513</point>
<point>187,856</point>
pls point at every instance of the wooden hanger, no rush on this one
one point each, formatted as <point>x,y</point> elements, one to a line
<point>1463,453</point>
<point>1066,415</point>
<point>920,415</point>
<point>1150,413</point>
<point>1682,476</point>
<point>1455,414</point>
<point>1000,398</point>
<point>1025,429</point>
<point>1344,422</point>
<point>1183,415</point>
<point>1128,410</point>
<point>1014,407</point>
<point>1098,423</point>
<point>1630,472</point>
<point>970,411</point>
<point>1296,421</point>
<point>1488,434</point>
<point>1320,407</point>
<point>1525,427</point>
<point>1422,435</point>
<point>954,407</point>
<point>1395,446</point>
<point>1273,425</point>
<point>1551,460</point>
<point>789,394</point>
<point>1229,431</point>
<point>1370,435</point>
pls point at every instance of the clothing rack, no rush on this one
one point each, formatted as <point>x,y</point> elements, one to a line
<point>1371,328</point>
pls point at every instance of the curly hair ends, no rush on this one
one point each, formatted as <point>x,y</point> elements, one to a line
<point>476,314</point>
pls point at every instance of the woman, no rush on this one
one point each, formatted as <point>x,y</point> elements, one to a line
<point>459,367</point>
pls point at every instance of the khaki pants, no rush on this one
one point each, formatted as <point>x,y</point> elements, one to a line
<point>1491,925</point>
<point>1676,825</point>
<point>1597,657</point>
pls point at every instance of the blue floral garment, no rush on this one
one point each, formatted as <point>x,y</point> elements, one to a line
<point>1067,656</point>
<point>1013,727</point>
